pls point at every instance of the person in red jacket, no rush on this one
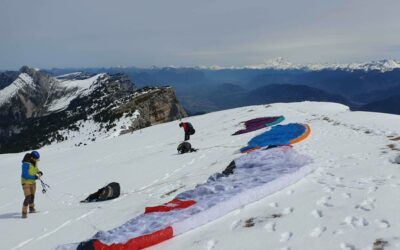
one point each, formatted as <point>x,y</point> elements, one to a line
<point>188,128</point>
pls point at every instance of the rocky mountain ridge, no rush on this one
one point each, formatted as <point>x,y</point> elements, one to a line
<point>37,109</point>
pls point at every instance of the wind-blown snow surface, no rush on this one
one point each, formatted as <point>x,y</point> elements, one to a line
<point>348,202</point>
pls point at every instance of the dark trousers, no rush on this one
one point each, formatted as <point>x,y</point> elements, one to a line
<point>187,136</point>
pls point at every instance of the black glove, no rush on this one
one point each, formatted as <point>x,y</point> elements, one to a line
<point>36,177</point>
<point>40,173</point>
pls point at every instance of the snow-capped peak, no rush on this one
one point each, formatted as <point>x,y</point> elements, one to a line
<point>10,91</point>
<point>277,63</point>
<point>382,65</point>
<point>72,89</point>
<point>282,64</point>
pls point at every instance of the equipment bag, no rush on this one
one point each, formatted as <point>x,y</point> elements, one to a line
<point>109,192</point>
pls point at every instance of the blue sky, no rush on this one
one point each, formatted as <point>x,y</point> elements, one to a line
<point>95,33</point>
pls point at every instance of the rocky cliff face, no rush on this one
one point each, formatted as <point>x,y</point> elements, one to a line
<point>37,109</point>
<point>155,105</point>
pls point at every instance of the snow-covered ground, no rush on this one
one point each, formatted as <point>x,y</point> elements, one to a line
<point>350,201</point>
<point>91,131</point>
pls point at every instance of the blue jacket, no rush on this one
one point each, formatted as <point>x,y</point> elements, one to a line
<point>29,172</point>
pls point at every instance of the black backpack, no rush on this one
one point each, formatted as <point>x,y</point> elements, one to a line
<point>111,191</point>
<point>191,129</point>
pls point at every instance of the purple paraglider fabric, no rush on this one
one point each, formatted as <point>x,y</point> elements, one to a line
<point>259,123</point>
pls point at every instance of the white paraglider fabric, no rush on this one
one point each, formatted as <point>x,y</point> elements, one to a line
<point>256,175</point>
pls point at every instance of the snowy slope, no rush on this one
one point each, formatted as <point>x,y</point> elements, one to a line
<point>65,88</point>
<point>11,90</point>
<point>348,202</point>
<point>72,88</point>
<point>91,131</point>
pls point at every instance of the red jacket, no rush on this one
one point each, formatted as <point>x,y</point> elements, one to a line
<point>185,127</point>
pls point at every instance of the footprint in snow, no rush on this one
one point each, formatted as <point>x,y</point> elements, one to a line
<point>273,204</point>
<point>317,232</point>
<point>355,222</point>
<point>288,210</point>
<point>347,246</point>
<point>270,227</point>
<point>324,201</point>
<point>366,205</point>
<point>286,236</point>
<point>339,179</point>
<point>211,244</point>
<point>346,195</point>
<point>317,213</point>
<point>383,223</point>
<point>328,189</point>
<point>337,232</point>
<point>372,189</point>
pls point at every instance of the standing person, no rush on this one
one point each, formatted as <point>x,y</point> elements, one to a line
<point>30,173</point>
<point>188,128</point>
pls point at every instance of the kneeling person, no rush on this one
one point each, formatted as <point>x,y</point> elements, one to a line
<point>185,147</point>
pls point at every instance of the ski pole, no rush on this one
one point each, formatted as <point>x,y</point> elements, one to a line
<point>44,186</point>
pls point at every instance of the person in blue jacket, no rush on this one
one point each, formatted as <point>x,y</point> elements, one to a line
<point>30,173</point>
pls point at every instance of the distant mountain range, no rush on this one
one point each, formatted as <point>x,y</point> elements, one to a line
<point>205,89</point>
<point>282,64</point>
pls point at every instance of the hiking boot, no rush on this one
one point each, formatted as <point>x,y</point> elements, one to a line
<point>24,216</point>
<point>32,210</point>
